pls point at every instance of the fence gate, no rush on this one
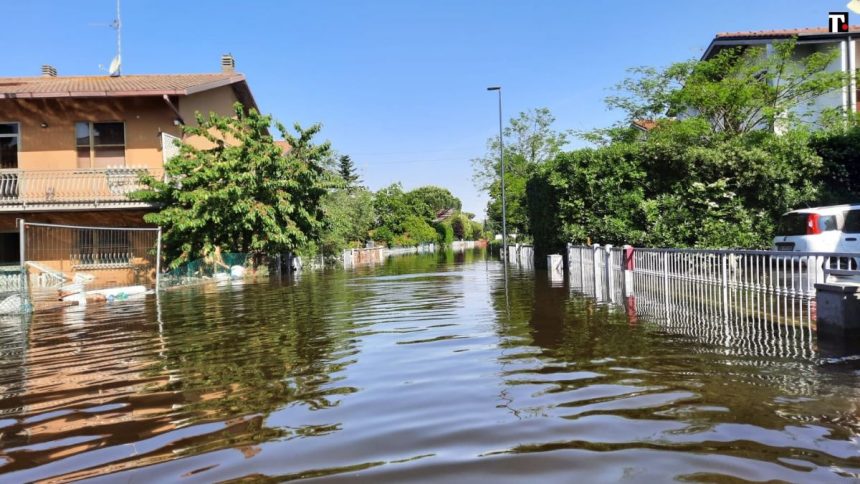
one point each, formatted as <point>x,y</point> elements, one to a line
<point>62,259</point>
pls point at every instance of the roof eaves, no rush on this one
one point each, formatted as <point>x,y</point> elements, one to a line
<point>244,95</point>
<point>718,41</point>
<point>214,84</point>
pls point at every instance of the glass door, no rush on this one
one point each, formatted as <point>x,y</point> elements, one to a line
<point>9,146</point>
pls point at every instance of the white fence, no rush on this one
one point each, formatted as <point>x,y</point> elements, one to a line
<point>376,255</point>
<point>522,254</point>
<point>762,301</point>
<point>776,272</point>
<point>461,245</point>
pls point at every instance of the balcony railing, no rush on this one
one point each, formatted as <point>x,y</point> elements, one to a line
<point>95,186</point>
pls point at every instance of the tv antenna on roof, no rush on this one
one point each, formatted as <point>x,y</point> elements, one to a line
<point>116,63</point>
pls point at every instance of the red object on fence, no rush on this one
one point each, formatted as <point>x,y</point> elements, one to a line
<point>628,258</point>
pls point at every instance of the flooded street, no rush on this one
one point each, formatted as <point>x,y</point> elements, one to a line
<point>424,368</point>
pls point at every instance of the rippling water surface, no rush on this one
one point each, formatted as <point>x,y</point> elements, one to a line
<point>421,369</point>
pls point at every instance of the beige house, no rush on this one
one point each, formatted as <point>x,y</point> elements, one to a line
<point>72,148</point>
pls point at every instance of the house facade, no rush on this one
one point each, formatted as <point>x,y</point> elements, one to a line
<point>809,40</point>
<point>72,148</point>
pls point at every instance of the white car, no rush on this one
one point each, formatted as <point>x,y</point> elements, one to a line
<point>820,229</point>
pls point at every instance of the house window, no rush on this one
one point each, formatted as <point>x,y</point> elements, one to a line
<point>101,249</point>
<point>100,145</point>
<point>9,145</point>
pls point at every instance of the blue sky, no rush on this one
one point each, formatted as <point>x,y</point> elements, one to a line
<point>398,84</point>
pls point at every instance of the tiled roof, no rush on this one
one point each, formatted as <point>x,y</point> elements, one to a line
<point>105,86</point>
<point>781,33</point>
<point>645,124</point>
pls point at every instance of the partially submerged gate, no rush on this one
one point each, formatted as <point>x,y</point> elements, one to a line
<point>65,260</point>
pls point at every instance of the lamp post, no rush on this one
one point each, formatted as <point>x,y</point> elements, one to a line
<point>502,162</point>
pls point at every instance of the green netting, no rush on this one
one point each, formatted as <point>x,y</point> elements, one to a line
<point>209,269</point>
<point>205,269</point>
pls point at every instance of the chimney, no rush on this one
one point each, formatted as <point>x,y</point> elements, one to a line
<point>228,63</point>
<point>49,70</point>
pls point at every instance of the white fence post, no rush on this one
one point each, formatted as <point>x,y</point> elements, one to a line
<point>567,258</point>
<point>596,257</point>
<point>610,272</point>
<point>25,276</point>
<point>158,261</point>
<point>724,282</point>
<point>581,250</point>
<point>666,284</point>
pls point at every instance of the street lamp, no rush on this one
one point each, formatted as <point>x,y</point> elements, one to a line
<point>502,162</point>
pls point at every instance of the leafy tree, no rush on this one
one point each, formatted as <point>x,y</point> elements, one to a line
<point>530,141</point>
<point>739,90</point>
<point>350,216</point>
<point>718,175</point>
<point>839,148</point>
<point>416,231</point>
<point>391,207</point>
<point>429,200</point>
<point>245,195</point>
<point>445,231</point>
<point>460,227</point>
<point>346,170</point>
<point>667,191</point>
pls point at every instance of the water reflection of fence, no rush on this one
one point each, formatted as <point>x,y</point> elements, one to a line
<point>755,300</point>
<point>12,290</point>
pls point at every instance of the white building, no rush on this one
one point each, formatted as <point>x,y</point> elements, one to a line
<point>809,40</point>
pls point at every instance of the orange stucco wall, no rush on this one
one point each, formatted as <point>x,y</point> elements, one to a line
<point>53,147</point>
<point>218,100</point>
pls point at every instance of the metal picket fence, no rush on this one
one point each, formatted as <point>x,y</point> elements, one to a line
<point>737,297</point>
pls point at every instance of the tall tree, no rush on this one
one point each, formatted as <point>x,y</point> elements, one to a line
<point>530,140</point>
<point>429,200</point>
<point>240,193</point>
<point>346,170</point>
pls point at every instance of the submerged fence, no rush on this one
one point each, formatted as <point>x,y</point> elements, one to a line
<point>521,254</point>
<point>376,255</point>
<point>736,297</point>
<point>59,260</point>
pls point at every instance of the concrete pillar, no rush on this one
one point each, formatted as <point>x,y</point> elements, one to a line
<point>837,310</point>
<point>628,267</point>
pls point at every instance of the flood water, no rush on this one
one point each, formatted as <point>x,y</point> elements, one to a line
<point>425,369</point>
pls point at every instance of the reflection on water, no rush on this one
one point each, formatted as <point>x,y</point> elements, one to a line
<point>744,320</point>
<point>424,367</point>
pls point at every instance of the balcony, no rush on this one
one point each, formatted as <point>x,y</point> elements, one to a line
<point>78,189</point>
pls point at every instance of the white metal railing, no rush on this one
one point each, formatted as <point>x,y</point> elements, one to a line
<point>778,272</point>
<point>97,185</point>
<point>763,300</point>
